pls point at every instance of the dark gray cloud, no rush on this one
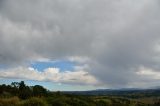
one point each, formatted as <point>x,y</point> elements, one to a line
<point>117,36</point>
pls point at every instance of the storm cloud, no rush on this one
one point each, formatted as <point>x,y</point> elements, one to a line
<point>115,38</point>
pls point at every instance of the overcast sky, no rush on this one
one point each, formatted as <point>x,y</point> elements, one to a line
<point>98,43</point>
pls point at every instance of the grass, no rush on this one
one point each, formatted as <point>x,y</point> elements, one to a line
<point>13,101</point>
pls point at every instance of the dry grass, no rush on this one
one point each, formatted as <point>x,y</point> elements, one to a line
<point>14,101</point>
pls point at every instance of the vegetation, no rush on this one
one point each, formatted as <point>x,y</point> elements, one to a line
<point>19,94</point>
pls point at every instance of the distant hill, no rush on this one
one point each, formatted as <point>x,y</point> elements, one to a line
<point>128,92</point>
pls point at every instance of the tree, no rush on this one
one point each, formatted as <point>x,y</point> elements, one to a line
<point>24,91</point>
<point>22,86</point>
<point>39,90</point>
<point>15,84</point>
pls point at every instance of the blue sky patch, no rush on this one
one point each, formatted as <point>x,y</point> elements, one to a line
<point>62,65</point>
<point>3,66</point>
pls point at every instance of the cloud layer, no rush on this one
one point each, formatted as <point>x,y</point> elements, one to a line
<point>114,38</point>
<point>78,77</point>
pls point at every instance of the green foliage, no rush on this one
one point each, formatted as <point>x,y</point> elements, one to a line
<point>22,86</point>
<point>58,102</point>
<point>33,102</point>
<point>39,90</point>
<point>25,92</point>
<point>103,103</point>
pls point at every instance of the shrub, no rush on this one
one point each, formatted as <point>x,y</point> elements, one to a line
<point>34,102</point>
<point>9,101</point>
<point>57,101</point>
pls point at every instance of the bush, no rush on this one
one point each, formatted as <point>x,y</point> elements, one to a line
<point>39,90</point>
<point>58,102</point>
<point>6,95</point>
<point>34,102</point>
<point>9,101</point>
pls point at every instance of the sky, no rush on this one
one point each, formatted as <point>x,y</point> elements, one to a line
<point>80,44</point>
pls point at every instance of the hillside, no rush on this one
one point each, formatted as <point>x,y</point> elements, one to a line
<point>20,94</point>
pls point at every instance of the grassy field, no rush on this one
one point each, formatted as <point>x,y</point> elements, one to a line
<point>78,100</point>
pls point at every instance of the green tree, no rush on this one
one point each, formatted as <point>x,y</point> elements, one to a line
<point>39,90</point>
<point>24,91</point>
<point>15,84</point>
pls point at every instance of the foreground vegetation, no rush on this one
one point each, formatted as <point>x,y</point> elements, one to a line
<point>19,94</point>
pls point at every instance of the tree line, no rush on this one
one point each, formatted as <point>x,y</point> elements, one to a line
<point>22,90</point>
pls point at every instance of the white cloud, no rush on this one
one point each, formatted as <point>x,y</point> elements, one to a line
<point>148,73</point>
<point>77,77</point>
